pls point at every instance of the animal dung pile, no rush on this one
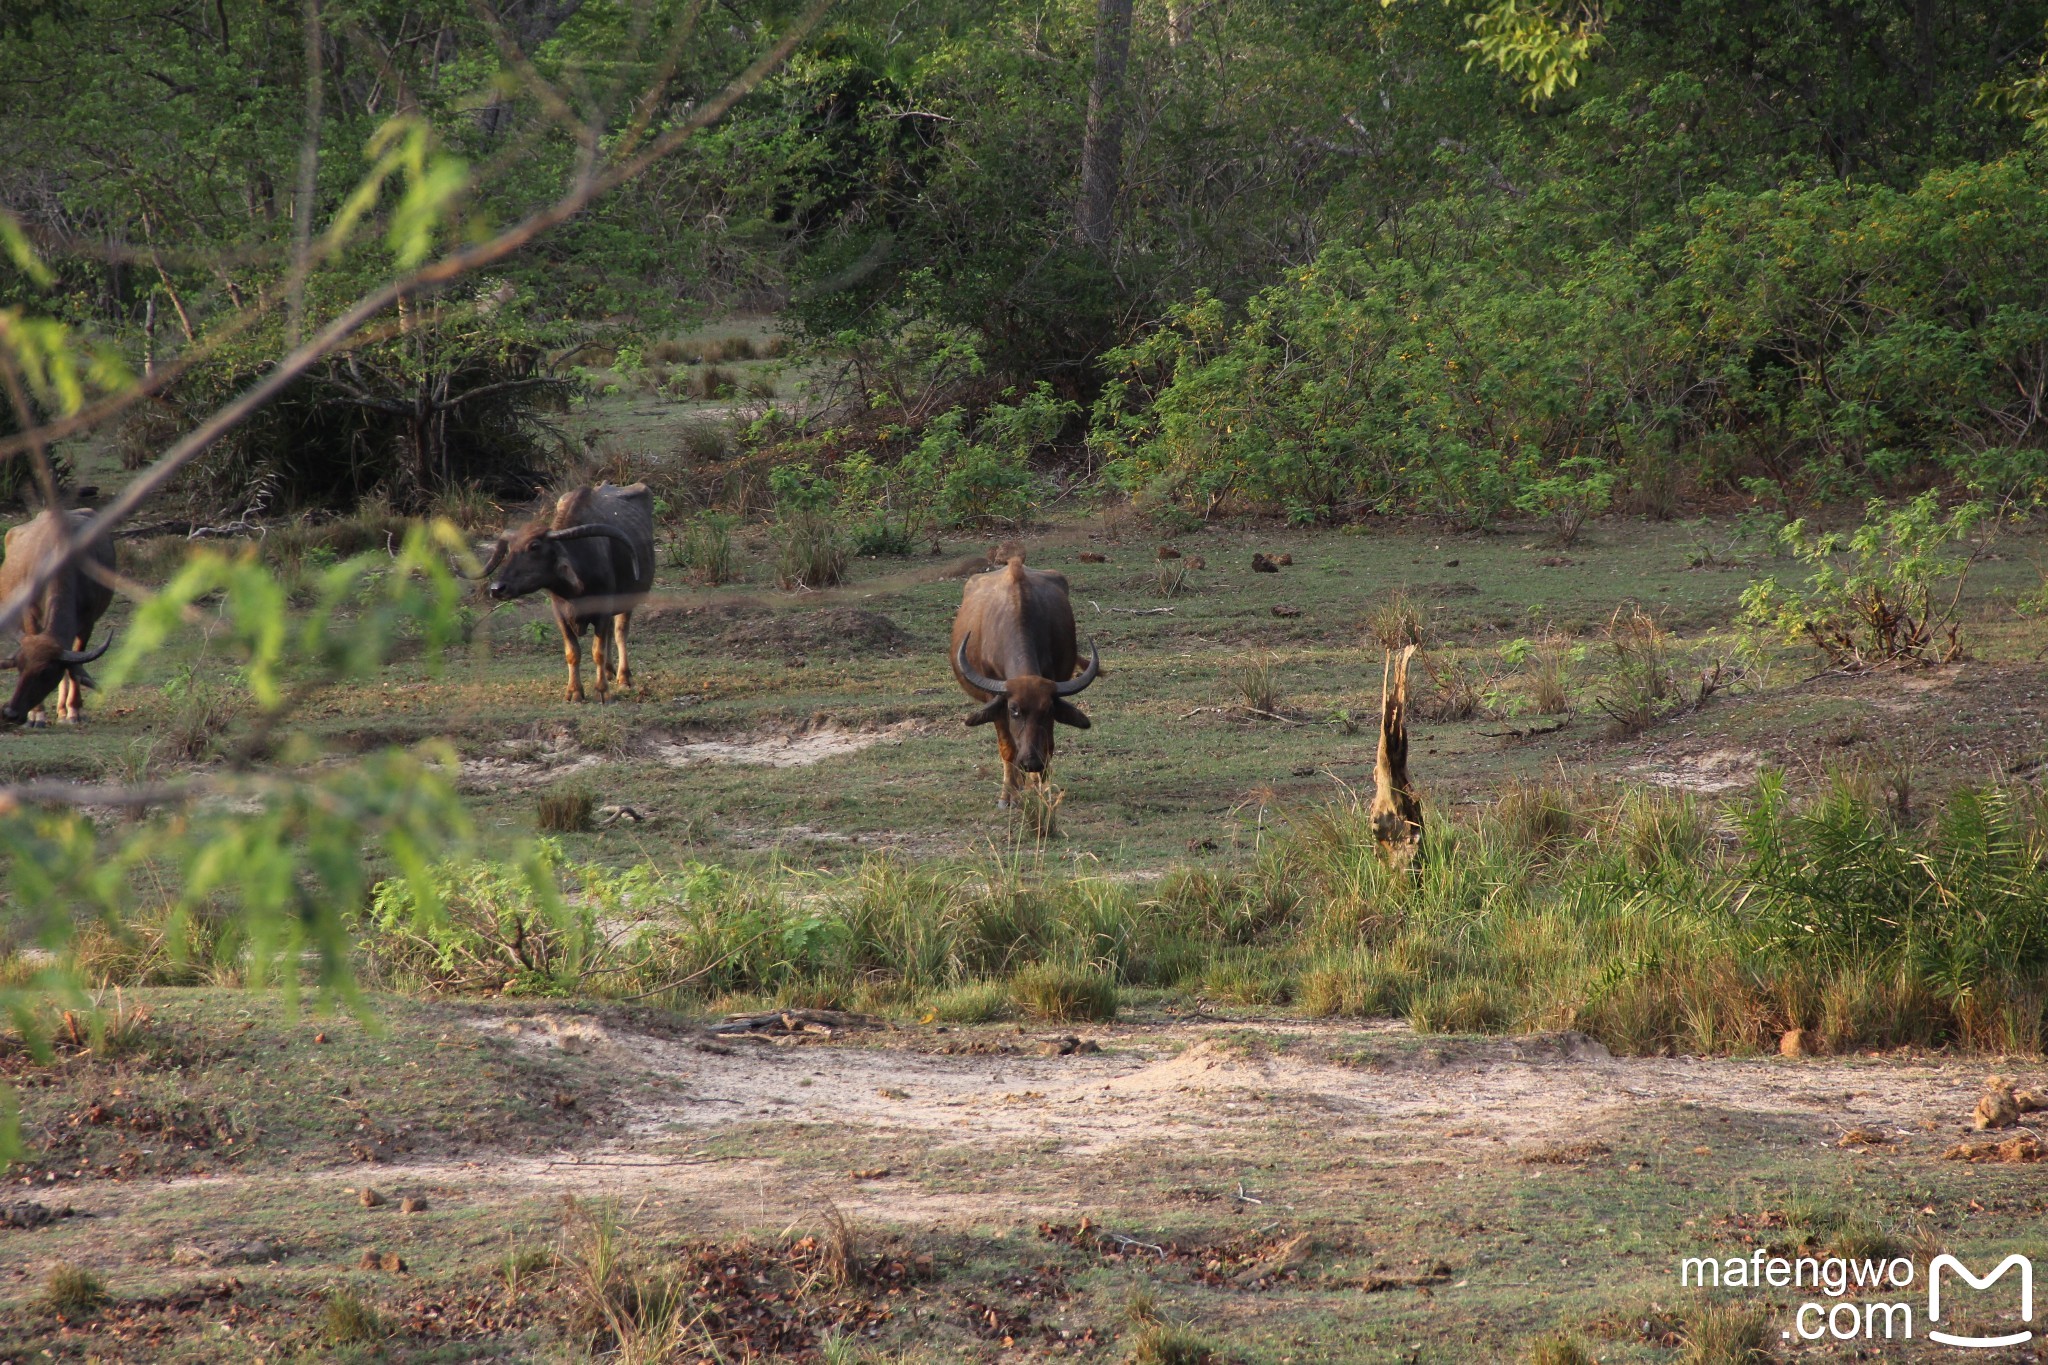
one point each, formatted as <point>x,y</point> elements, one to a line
<point>1261,564</point>
<point>2000,1106</point>
<point>1069,1046</point>
<point>1092,557</point>
<point>1168,552</point>
<point>2012,1151</point>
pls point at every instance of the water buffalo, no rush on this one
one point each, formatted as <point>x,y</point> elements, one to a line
<point>595,557</point>
<point>57,623</point>
<point>1013,648</point>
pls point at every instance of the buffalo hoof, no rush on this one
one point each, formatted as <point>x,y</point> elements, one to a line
<point>71,720</point>
<point>1005,803</point>
<point>37,723</point>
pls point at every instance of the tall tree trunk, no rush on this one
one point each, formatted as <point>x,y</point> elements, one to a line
<point>1102,149</point>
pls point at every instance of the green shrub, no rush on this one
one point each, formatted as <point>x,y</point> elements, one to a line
<point>491,926</point>
<point>1896,597</point>
<point>1578,488</point>
<point>961,471</point>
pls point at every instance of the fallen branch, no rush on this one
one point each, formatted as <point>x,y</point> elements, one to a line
<point>1236,709</point>
<point>1513,732</point>
<point>1130,611</point>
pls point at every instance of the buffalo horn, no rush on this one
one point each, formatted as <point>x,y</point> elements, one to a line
<point>1073,685</point>
<point>995,685</point>
<point>594,529</point>
<point>497,558</point>
<point>75,657</point>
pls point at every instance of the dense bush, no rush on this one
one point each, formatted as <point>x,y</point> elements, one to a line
<point>1832,336</point>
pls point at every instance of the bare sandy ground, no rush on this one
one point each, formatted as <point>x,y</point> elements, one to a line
<point>1373,1093</point>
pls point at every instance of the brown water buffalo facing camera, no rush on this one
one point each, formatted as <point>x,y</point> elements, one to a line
<point>595,557</point>
<point>57,622</point>
<point>1013,648</point>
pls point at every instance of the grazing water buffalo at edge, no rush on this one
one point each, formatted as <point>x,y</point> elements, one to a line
<point>1013,648</point>
<point>57,623</point>
<point>595,557</point>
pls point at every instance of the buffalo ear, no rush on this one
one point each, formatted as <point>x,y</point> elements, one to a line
<point>569,574</point>
<point>988,712</point>
<point>1066,713</point>
<point>82,678</point>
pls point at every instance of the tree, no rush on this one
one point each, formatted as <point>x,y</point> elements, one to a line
<point>1102,147</point>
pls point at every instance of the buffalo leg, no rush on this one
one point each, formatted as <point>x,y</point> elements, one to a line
<point>601,651</point>
<point>69,701</point>
<point>620,625</point>
<point>572,654</point>
<point>1007,747</point>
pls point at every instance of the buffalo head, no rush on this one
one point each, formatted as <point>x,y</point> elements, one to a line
<point>1030,705</point>
<point>43,661</point>
<point>536,560</point>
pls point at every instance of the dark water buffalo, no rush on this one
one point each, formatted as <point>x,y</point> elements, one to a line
<point>58,621</point>
<point>595,557</point>
<point>1013,648</point>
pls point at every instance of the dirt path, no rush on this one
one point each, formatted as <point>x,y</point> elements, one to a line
<point>750,1129</point>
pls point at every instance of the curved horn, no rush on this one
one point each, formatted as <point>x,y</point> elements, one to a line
<point>994,685</point>
<point>596,529</point>
<point>1073,685</point>
<point>497,558</point>
<point>75,657</point>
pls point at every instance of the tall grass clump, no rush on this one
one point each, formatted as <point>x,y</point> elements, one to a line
<point>1254,683</point>
<point>810,551</point>
<point>1065,992</point>
<point>564,810</point>
<point>704,551</point>
<point>1645,919</point>
<point>72,1291</point>
<point>348,1321</point>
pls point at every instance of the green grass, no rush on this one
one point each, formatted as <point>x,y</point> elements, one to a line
<point>1163,768</point>
<point>231,1081</point>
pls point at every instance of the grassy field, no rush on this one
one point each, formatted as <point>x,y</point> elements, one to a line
<point>1317,1115</point>
<point>1174,762</point>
